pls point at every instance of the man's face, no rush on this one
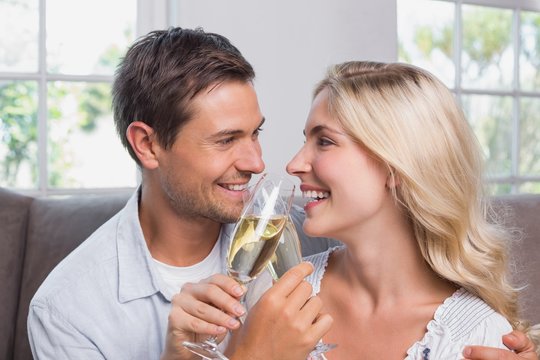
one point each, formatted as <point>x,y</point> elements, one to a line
<point>207,169</point>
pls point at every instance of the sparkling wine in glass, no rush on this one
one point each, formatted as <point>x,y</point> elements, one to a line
<point>255,239</point>
<point>288,254</point>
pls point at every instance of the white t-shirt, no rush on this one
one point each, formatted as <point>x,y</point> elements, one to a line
<point>175,276</point>
<point>462,319</point>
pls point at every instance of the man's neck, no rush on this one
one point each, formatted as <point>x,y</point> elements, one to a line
<point>174,239</point>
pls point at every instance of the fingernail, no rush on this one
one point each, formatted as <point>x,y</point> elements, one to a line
<point>512,336</point>
<point>221,329</point>
<point>467,351</point>
<point>233,323</point>
<point>238,290</point>
<point>239,309</point>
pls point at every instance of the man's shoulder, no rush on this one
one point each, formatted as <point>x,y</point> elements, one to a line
<point>91,265</point>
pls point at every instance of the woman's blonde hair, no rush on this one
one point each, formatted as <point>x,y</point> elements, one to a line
<point>412,123</point>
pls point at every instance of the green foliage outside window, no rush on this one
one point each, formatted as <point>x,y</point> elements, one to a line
<point>19,129</point>
<point>486,43</point>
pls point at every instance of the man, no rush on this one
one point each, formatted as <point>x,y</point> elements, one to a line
<point>186,110</point>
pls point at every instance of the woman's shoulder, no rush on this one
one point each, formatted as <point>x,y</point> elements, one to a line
<point>320,262</point>
<point>464,312</point>
<point>463,319</point>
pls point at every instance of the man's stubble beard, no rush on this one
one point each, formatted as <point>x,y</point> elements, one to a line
<point>186,205</point>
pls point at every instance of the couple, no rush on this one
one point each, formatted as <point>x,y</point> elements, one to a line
<point>396,172</point>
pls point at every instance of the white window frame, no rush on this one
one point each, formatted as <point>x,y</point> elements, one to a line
<point>516,6</point>
<point>151,15</point>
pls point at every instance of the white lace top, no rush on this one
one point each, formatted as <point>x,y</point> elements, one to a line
<point>462,319</point>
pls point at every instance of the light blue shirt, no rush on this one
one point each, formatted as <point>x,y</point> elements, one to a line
<point>106,300</point>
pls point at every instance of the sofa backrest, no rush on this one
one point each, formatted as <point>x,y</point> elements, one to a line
<point>35,235</point>
<point>524,216</point>
<point>14,210</point>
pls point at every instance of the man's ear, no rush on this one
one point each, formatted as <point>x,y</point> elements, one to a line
<point>143,142</point>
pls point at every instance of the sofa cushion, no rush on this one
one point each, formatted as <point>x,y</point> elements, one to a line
<point>56,226</point>
<point>13,219</point>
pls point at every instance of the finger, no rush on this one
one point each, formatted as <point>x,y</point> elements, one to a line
<point>292,278</point>
<point>211,294</point>
<point>519,342</point>
<point>183,322</point>
<point>300,296</point>
<point>206,313</point>
<point>311,308</point>
<point>487,353</point>
<point>321,326</point>
<point>228,284</point>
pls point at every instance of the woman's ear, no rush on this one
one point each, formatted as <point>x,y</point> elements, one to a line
<point>392,181</point>
<point>142,139</point>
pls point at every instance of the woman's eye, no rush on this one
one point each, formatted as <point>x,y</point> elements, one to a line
<point>257,132</point>
<point>324,142</point>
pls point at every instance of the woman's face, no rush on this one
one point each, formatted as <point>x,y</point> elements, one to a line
<point>345,184</point>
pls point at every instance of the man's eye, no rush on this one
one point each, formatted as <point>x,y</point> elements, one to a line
<point>258,131</point>
<point>226,141</point>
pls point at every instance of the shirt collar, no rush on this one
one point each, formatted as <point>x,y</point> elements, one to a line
<point>137,276</point>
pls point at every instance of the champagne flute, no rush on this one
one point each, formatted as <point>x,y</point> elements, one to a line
<point>254,241</point>
<point>288,254</point>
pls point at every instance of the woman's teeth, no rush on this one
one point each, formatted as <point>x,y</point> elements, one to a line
<point>316,195</point>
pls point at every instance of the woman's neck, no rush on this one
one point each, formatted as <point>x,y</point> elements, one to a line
<point>383,263</point>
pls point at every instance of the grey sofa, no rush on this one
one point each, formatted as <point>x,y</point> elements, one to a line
<point>36,233</point>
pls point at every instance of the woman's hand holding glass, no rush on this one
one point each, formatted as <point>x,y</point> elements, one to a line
<point>285,324</point>
<point>289,254</point>
<point>254,241</point>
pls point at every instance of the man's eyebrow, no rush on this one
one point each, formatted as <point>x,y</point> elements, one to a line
<point>232,132</point>
<point>225,133</point>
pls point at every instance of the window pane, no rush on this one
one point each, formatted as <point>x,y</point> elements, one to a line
<point>530,137</point>
<point>530,51</point>
<point>18,133</point>
<point>530,187</point>
<point>491,119</point>
<point>84,150</point>
<point>425,29</point>
<point>19,25</point>
<point>487,58</point>
<point>92,38</point>
<point>499,189</point>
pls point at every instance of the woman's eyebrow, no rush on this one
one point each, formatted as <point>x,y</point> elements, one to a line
<point>319,128</point>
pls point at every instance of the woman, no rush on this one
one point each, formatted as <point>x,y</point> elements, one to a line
<point>394,172</point>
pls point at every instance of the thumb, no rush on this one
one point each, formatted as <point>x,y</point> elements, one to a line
<point>518,341</point>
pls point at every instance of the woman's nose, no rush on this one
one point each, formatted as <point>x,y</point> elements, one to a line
<point>298,163</point>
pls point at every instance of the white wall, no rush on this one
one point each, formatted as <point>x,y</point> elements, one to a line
<point>290,43</point>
